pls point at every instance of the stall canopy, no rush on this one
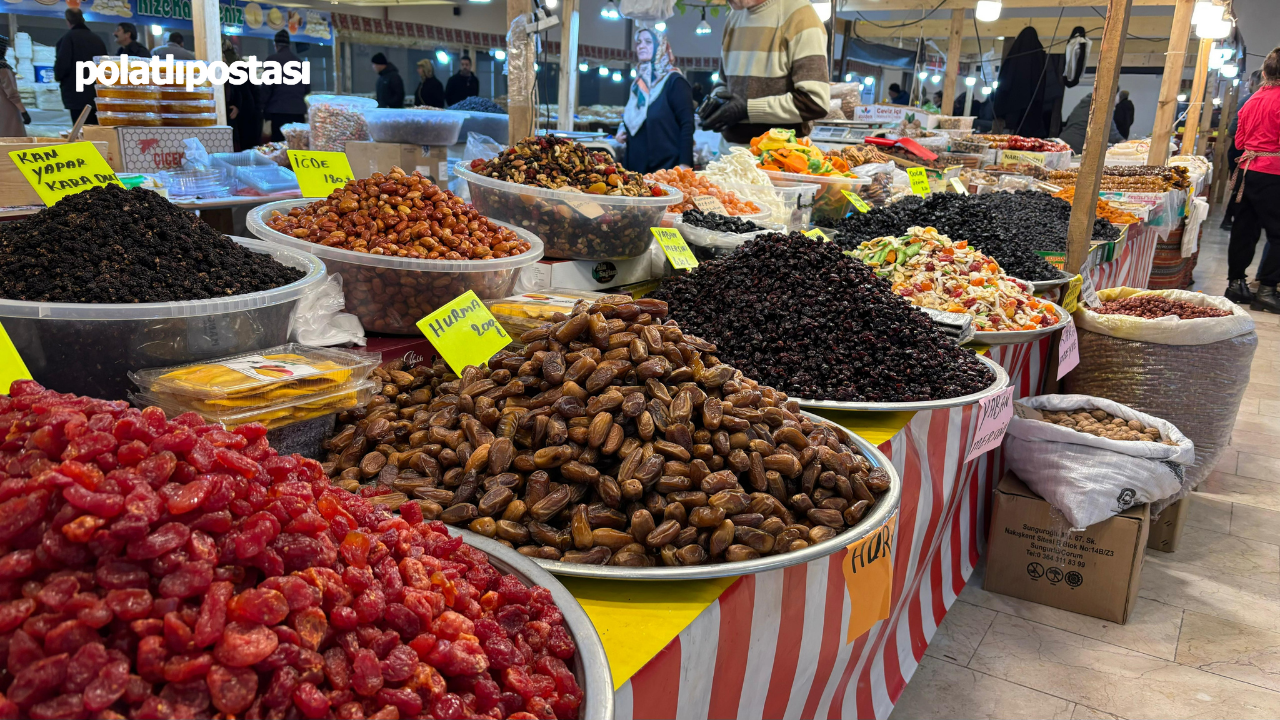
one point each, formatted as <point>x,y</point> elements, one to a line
<point>250,19</point>
<point>882,55</point>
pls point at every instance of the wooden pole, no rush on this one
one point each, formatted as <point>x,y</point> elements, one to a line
<point>1196,98</point>
<point>1107,78</point>
<point>206,26</point>
<point>1206,118</point>
<point>337,65</point>
<point>1222,173</point>
<point>1174,60</point>
<point>519,108</point>
<point>347,82</point>
<point>568,99</point>
<point>953,61</point>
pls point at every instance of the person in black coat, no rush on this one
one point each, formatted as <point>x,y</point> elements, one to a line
<point>1123,115</point>
<point>463,84</point>
<point>244,115</point>
<point>430,92</point>
<point>1020,98</point>
<point>127,35</point>
<point>283,104</point>
<point>390,87</point>
<point>79,44</point>
<point>657,124</point>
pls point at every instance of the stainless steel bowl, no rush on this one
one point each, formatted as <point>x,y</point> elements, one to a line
<point>1001,382</point>
<point>589,664</point>
<point>880,513</point>
<point>1039,286</point>
<point>1014,337</point>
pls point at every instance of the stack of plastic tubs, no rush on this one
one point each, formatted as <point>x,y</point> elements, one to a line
<point>252,169</point>
<point>136,105</point>
<point>180,107</point>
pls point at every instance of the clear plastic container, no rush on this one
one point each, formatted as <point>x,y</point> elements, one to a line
<point>280,414</point>
<point>175,93</point>
<point>264,376</point>
<point>830,205</point>
<point>128,92</point>
<point>573,224</point>
<point>268,179</point>
<point>522,313</point>
<point>795,201</point>
<point>191,120</point>
<point>89,349</point>
<point>336,120</point>
<point>415,127</point>
<point>129,119</point>
<point>178,107</point>
<point>126,105</point>
<point>714,239</point>
<point>493,125</point>
<point>191,184</point>
<point>391,294</point>
<point>244,158</point>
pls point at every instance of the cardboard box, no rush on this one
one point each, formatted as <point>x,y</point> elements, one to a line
<point>1031,556</point>
<point>14,188</point>
<point>366,158</point>
<point>586,274</point>
<point>414,351</point>
<point>1166,528</point>
<point>152,149</point>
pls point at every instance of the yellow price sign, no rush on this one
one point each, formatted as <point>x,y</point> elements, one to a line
<point>1071,298</point>
<point>320,173</point>
<point>675,248</point>
<point>868,576</point>
<point>817,233</point>
<point>919,180</point>
<point>858,202</point>
<point>959,186</point>
<point>464,332</point>
<point>11,365</point>
<point>56,171</point>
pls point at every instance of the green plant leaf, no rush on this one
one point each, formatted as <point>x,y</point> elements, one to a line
<point>715,11</point>
<point>681,7</point>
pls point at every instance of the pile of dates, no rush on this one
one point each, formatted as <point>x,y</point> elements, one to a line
<point>613,438</point>
<point>158,568</point>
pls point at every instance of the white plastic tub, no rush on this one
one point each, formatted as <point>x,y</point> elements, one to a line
<point>491,125</point>
<point>88,348</point>
<point>391,294</point>
<point>830,205</point>
<point>573,224</point>
<point>795,201</point>
<point>414,127</point>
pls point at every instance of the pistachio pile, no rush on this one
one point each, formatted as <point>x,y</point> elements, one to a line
<point>612,438</point>
<point>555,163</point>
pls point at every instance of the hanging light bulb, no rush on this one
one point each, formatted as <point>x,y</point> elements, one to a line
<point>703,27</point>
<point>1205,11</point>
<point>935,79</point>
<point>617,76</point>
<point>537,67</point>
<point>633,73</point>
<point>583,67</point>
<point>1219,57</point>
<point>609,11</point>
<point>156,30</point>
<point>995,84</point>
<point>923,75</point>
<point>1217,101</point>
<point>1230,70</point>
<point>971,81</point>
<point>1213,29</point>
<point>986,89</point>
<point>660,26</point>
<point>987,10</point>
<point>1235,83</point>
<point>823,8</point>
<point>442,56</point>
<point>848,77</point>
<point>498,54</point>
<point>551,4</point>
<point>868,80</point>
<point>715,76</point>
<point>604,71</point>
<point>1182,97</point>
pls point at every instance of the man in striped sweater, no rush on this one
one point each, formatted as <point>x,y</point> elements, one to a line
<point>774,65</point>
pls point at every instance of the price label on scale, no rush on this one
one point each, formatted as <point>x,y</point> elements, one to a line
<point>994,413</point>
<point>1068,349</point>
<point>817,234</point>
<point>675,248</point>
<point>464,332</point>
<point>320,173</point>
<point>919,180</point>
<point>858,202</point>
<point>56,171</point>
<point>868,576</point>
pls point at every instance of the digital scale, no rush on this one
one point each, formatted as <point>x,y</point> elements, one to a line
<point>834,134</point>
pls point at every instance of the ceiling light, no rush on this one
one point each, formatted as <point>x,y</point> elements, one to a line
<point>617,77</point>
<point>498,54</point>
<point>1182,97</point>
<point>609,11</point>
<point>156,30</point>
<point>935,79</point>
<point>604,71</point>
<point>537,67</point>
<point>848,77</point>
<point>633,73</point>
<point>550,4</point>
<point>442,57</point>
<point>1217,101</point>
<point>999,37</point>
<point>660,26</point>
<point>1205,11</point>
<point>823,9</point>
<point>971,81</point>
<point>923,75</point>
<point>715,76</point>
<point>986,89</point>
<point>995,84</point>
<point>1235,83</point>
<point>703,27</point>
<point>868,80</point>
<point>1213,29</point>
<point>1219,57</point>
<point>583,67</point>
<point>987,10</point>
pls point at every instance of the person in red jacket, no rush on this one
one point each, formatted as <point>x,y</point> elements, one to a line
<point>1256,185</point>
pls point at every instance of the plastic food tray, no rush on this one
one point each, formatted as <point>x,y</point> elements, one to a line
<point>299,409</point>
<point>128,119</point>
<point>414,127</point>
<point>88,349</point>
<point>391,294</point>
<point>830,206</point>
<point>212,183</point>
<point>126,105</point>
<point>1014,337</point>
<point>190,120</point>
<point>1000,383</point>
<point>796,197</point>
<point>192,381</point>
<point>172,93</point>
<point>492,125</point>
<point>176,106</point>
<point>244,158</point>
<point>876,518</point>
<point>128,92</point>
<point>267,179</point>
<point>572,224</point>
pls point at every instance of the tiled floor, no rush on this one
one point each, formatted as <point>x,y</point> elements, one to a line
<point>1203,640</point>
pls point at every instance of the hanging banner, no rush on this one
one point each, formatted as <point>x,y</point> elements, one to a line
<point>238,17</point>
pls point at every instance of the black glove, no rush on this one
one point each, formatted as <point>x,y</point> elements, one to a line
<point>26,118</point>
<point>712,102</point>
<point>732,112</point>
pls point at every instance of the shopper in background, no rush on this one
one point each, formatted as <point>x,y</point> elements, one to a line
<point>79,44</point>
<point>897,96</point>
<point>244,115</point>
<point>13,116</point>
<point>390,88</point>
<point>463,84</point>
<point>1255,186</point>
<point>284,104</point>
<point>127,35</point>
<point>1233,153</point>
<point>174,47</point>
<point>657,124</point>
<point>1020,98</point>
<point>773,61</point>
<point>1123,115</point>
<point>430,92</point>
<point>1076,126</point>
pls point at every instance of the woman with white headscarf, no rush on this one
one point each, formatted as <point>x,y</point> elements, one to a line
<point>657,125</point>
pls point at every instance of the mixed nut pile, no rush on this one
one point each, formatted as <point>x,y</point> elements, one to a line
<point>1105,425</point>
<point>555,163</point>
<point>613,438</point>
<point>1150,307</point>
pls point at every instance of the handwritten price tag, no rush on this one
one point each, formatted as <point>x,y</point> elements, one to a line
<point>1068,349</point>
<point>708,204</point>
<point>11,365</point>
<point>919,181</point>
<point>1015,157</point>
<point>675,248</point>
<point>959,186</point>
<point>858,202</point>
<point>816,234</point>
<point>1088,295</point>
<point>464,332</point>
<point>868,576</point>
<point>994,415</point>
<point>61,170</point>
<point>320,173</point>
<point>1071,297</point>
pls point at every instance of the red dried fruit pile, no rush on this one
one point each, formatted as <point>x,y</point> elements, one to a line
<point>156,568</point>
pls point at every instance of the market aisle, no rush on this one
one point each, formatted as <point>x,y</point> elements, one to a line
<point>1204,637</point>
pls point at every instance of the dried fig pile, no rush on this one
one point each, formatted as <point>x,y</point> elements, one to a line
<point>613,438</point>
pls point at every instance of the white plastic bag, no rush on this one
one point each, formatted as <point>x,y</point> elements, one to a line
<point>319,320</point>
<point>1089,478</point>
<point>1168,330</point>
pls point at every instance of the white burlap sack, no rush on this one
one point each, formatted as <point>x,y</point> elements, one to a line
<point>1167,330</point>
<point>1088,478</point>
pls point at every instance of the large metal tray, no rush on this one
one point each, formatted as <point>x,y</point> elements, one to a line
<point>1000,383</point>
<point>880,513</point>
<point>1039,286</point>
<point>1014,337</point>
<point>589,664</point>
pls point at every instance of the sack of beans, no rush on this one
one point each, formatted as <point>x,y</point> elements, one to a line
<point>1092,458</point>
<point>1178,355</point>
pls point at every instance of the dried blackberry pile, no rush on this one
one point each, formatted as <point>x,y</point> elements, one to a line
<point>800,316</point>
